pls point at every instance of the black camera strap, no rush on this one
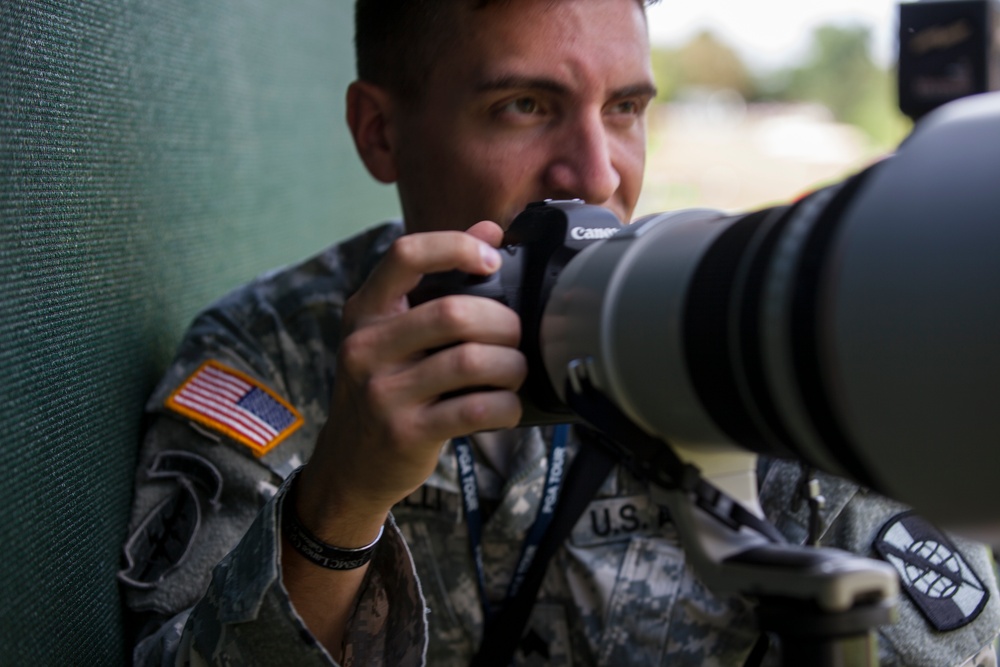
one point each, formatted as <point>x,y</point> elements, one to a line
<point>654,460</point>
<point>503,630</point>
<point>648,458</point>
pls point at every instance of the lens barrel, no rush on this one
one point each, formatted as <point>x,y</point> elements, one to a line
<point>857,330</point>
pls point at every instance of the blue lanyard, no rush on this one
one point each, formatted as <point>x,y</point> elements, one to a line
<point>474,519</point>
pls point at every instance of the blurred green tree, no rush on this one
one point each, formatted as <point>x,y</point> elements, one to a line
<point>703,62</point>
<point>840,74</point>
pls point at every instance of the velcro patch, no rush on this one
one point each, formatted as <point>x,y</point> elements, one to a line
<point>174,464</point>
<point>932,571</point>
<point>237,405</point>
<point>163,539</point>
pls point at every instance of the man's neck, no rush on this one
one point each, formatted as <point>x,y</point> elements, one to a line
<point>497,449</point>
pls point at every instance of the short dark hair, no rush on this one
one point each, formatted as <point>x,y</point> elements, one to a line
<point>397,41</point>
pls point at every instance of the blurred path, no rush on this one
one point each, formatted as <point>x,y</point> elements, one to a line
<point>720,153</point>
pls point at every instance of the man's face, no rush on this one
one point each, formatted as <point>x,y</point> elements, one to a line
<point>533,99</point>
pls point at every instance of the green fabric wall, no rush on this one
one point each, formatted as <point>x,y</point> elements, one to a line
<point>153,154</point>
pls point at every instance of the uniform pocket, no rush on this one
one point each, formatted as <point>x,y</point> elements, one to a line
<point>449,587</point>
<point>660,614</point>
<point>641,603</point>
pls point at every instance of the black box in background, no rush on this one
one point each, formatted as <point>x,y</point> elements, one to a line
<point>947,50</point>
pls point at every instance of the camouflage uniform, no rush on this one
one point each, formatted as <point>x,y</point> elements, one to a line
<point>618,593</point>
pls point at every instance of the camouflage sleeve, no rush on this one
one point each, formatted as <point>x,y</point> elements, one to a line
<point>949,606</point>
<point>246,617</point>
<point>236,412</point>
<point>198,495</point>
<point>985,658</point>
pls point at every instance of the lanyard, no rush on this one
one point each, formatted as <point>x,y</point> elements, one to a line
<point>474,518</point>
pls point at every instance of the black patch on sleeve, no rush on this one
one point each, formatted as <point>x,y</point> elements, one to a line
<point>934,574</point>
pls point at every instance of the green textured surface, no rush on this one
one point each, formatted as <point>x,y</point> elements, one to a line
<point>153,154</point>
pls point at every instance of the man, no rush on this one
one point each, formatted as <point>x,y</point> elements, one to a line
<point>474,110</point>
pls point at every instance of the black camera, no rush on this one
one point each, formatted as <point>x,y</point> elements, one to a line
<point>537,246</point>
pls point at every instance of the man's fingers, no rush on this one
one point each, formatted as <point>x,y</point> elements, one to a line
<point>455,370</point>
<point>433,325</point>
<point>464,389</point>
<point>471,413</point>
<point>487,231</point>
<point>459,318</point>
<point>415,255</point>
<point>463,368</point>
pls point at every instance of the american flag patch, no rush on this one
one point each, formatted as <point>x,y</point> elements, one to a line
<point>237,405</point>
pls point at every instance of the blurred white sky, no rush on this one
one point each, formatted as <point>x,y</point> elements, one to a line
<point>772,33</point>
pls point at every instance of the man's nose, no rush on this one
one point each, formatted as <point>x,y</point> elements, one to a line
<point>583,166</point>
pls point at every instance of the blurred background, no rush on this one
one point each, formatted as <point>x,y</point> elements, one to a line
<point>762,101</point>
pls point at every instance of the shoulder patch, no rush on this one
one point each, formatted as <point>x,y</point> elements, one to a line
<point>237,405</point>
<point>163,539</point>
<point>932,571</point>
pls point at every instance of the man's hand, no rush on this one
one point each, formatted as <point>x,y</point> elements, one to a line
<point>394,401</point>
<point>394,405</point>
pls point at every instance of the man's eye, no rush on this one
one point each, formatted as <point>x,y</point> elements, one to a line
<point>630,107</point>
<point>524,105</point>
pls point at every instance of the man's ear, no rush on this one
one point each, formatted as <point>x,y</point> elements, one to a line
<point>369,117</point>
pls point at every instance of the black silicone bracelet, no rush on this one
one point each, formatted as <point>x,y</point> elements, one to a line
<point>316,550</point>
